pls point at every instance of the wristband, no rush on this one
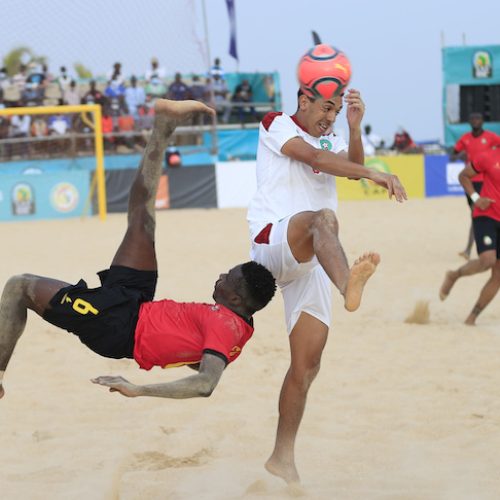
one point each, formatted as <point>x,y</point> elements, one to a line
<point>474,197</point>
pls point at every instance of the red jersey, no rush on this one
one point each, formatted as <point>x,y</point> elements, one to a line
<point>488,163</point>
<point>474,146</point>
<point>170,333</point>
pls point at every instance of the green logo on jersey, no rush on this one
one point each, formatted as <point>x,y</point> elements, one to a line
<point>325,144</point>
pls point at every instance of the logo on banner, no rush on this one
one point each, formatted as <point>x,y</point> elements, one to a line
<point>64,197</point>
<point>452,183</point>
<point>23,199</point>
<point>482,66</point>
<point>369,187</point>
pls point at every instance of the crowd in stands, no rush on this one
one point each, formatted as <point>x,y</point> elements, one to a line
<point>127,109</point>
<point>127,104</point>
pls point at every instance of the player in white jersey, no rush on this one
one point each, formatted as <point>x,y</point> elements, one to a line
<point>294,233</point>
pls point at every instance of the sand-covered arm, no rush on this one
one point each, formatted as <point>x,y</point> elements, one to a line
<point>200,385</point>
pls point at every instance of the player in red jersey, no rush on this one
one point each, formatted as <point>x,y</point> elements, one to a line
<point>467,148</point>
<point>486,222</point>
<point>119,318</point>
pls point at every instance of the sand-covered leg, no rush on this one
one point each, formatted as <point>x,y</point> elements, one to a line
<point>137,249</point>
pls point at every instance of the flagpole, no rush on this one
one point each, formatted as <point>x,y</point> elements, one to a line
<point>205,26</point>
<point>215,145</point>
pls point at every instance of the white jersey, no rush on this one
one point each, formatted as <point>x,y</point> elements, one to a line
<point>286,186</point>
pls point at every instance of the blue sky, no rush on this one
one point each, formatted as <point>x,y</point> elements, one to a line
<point>394,47</point>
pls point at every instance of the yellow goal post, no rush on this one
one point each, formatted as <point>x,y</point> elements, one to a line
<point>95,109</point>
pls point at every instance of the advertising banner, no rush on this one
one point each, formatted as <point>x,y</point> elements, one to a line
<point>441,176</point>
<point>409,169</point>
<point>43,196</point>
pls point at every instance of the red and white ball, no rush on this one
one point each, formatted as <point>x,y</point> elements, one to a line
<point>324,71</point>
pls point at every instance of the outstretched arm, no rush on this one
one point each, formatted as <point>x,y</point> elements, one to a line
<point>200,385</point>
<point>334,164</point>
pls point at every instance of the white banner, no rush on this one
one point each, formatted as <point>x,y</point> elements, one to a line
<point>236,183</point>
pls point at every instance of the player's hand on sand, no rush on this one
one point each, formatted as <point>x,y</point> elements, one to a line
<point>483,203</point>
<point>118,384</point>
<point>355,108</point>
<point>391,183</point>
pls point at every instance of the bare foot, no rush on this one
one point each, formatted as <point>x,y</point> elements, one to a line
<point>449,281</point>
<point>359,274</point>
<point>464,255</point>
<point>470,321</point>
<point>287,472</point>
<point>2,392</point>
<point>181,109</point>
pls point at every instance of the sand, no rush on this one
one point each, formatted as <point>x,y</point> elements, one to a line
<point>399,411</point>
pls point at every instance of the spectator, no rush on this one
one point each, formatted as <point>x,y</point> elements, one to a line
<point>216,70</point>
<point>371,141</point>
<point>39,129</point>
<point>19,128</point>
<point>48,76</point>
<point>107,128</point>
<point>269,87</point>
<point>35,75</point>
<point>4,125</point>
<point>4,79</point>
<point>59,124</point>
<point>156,88</point>
<point>115,76</point>
<point>125,141</point>
<point>115,90</point>
<point>403,143</point>
<point>71,96</point>
<point>198,90</point>
<point>134,97</point>
<point>4,134</point>
<point>93,96</point>
<point>242,95</point>
<point>178,90</point>
<point>155,74</point>
<point>217,96</point>
<point>115,94</point>
<point>63,79</point>
<point>19,79</point>
<point>145,122</point>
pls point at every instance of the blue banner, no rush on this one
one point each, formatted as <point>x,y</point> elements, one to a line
<point>43,196</point>
<point>441,176</point>
<point>233,51</point>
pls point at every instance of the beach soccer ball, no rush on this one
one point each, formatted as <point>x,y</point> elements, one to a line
<point>324,71</point>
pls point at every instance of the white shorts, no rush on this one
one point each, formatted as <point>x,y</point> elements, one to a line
<point>304,286</point>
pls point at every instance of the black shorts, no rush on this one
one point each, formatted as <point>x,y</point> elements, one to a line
<point>104,318</point>
<point>487,234</point>
<point>477,188</point>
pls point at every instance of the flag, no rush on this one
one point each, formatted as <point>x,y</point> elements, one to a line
<point>232,26</point>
